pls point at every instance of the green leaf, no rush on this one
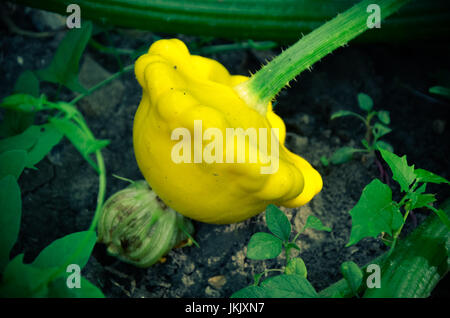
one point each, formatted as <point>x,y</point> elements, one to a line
<point>324,161</point>
<point>383,116</point>
<point>313,222</point>
<point>23,141</point>
<point>67,249</point>
<point>380,130</point>
<point>418,262</point>
<point>419,200</point>
<point>24,281</point>
<point>257,278</point>
<point>440,90</point>
<point>277,222</point>
<point>83,142</point>
<point>58,289</point>
<point>263,246</point>
<point>292,245</point>
<point>23,103</point>
<point>10,216</point>
<point>15,122</point>
<point>12,163</point>
<point>36,140</point>
<point>379,144</point>
<point>374,213</point>
<point>353,275</point>
<point>425,176</point>
<point>442,213</point>
<point>27,83</point>
<point>402,173</point>
<point>443,216</point>
<point>365,144</point>
<point>344,113</point>
<point>70,110</point>
<point>296,266</point>
<point>48,137</point>
<point>288,286</point>
<point>343,155</point>
<point>250,292</point>
<point>64,66</point>
<point>365,102</point>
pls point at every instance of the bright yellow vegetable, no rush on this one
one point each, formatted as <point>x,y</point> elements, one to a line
<point>178,89</point>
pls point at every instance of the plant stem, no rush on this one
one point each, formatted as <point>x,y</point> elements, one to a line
<point>266,45</point>
<point>101,189</point>
<point>102,83</point>
<point>109,50</point>
<point>396,234</point>
<point>264,85</point>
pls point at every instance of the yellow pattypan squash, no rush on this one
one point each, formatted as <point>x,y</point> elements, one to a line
<point>192,99</point>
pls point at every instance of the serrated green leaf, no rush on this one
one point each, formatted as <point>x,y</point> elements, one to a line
<point>263,246</point>
<point>12,163</point>
<point>10,216</point>
<point>343,155</point>
<point>313,222</point>
<point>379,130</point>
<point>296,266</point>
<point>250,292</point>
<point>27,83</point>
<point>423,175</point>
<point>384,117</point>
<point>288,286</point>
<point>365,102</point>
<point>58,289</point>
<point>402,173</point>
<point>66,249</point>
<point>379,144</point>
<point>353,275</point>
<point>374,213</point>
<point>64,66</point>
<point>277,222</point>
<point>418,199</point>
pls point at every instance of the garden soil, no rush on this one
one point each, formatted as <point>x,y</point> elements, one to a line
<point>60,196</point>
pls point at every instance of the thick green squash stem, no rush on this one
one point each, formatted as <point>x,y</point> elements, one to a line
<point>264,85</point>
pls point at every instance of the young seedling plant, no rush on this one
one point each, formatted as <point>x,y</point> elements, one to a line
<point>374,131</point>
<point>292,281</point>
<point>375,213</point>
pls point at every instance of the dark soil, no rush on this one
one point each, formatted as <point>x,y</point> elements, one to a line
<point>59,198</point>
